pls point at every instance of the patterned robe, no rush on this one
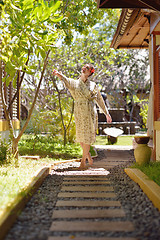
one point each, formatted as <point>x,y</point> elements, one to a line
<point>86,96</point>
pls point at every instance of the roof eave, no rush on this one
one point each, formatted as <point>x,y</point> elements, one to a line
<point>127,20</point>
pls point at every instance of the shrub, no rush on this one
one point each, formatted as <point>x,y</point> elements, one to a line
<point>4,151</point>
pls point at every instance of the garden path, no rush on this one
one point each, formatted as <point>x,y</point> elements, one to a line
<point>100,203</point>
<point>87,207</point>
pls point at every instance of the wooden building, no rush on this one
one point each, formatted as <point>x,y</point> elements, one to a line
<point>13,108</point>
<point>139,27</point>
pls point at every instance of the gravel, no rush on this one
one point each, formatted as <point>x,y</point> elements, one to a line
<point>35,220</point>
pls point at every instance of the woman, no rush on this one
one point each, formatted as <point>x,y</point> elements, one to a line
<point>86,95</point>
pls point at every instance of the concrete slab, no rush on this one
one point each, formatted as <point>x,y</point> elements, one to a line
<point>86,195</point>
<point>90,226</point>
<point>88,213</point>
<point>86,178</point>
<point>88,203</point>
<point>117,159</point>
<point>72,237</point>
<point>89,172</point>
<point>108,163</point>
<point>86,183</point>
<point>87,188</point>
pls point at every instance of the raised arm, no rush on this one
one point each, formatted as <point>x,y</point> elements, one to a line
<point>67,81</point>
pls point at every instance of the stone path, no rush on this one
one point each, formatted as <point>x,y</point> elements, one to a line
<point>87,207</point>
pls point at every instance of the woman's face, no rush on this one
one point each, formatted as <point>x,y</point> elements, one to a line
<point>86,70</point>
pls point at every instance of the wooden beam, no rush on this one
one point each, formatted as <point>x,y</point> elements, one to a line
<point>132,47</point>
<point>146,4</point>
<point>105,1</point>
<point>156,32</point>
<point>151,4</point>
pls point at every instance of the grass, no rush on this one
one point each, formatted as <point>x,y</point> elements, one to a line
<point>48,146</point>
<point>14,179</point>
<point>45,146</point>
<point>124,140</point>
<point>152,170</point>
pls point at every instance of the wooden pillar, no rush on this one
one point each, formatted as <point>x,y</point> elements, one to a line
<point>156,84</point>
<point>154,100</point>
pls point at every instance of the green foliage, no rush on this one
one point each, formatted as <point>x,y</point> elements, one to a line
<point>6,156</point>
<point>152,170</point>
<point>43,122</point>
<point>27,30</point>
<point>48,118</point>
<point>48,146</point>
<point>79,17</point>
<point>3,151</point>
<point>30,28</point>
<point>144,113</point>
<point>143,109</point>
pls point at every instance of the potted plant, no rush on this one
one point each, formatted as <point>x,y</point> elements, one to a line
<point>142,152</point>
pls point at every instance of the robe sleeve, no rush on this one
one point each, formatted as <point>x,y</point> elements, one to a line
<point>68,82</point>
<point>100,101</point>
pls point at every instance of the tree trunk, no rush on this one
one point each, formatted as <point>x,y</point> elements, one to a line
<point>14,139</point>
<point>65,136</point>
<point>60,109</point>
<point>15,149</point>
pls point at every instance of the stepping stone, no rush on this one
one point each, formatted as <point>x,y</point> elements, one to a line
<point>108,163</point>
<point>87,189</point>
<point>31,157</point>
<point>86,203</point>
<point>83,213</point>
<point>72,237</point>
<point>84,178</point>
<point>86,183</point>
<point>91,171</point>
<point>86,195</point>
<point>106,166</point>
<point>90,226</point>
<point>117,160</point>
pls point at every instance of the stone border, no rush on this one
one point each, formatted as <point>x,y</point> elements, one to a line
<point>11,213</point>
<point>149,187</point>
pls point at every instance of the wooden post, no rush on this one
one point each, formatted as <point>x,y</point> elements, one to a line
<point>154,84</point>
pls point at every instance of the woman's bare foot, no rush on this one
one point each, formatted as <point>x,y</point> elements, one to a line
<point>82,165</point>
<point>90,160</point>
